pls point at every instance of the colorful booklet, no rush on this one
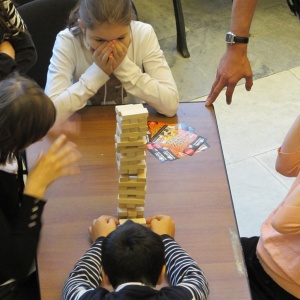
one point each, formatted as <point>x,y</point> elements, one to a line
<point>168,142</point>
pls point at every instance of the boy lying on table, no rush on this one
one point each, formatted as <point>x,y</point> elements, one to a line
<point>134,258</point>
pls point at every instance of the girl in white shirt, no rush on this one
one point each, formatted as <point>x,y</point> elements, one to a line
<point>105,57</point>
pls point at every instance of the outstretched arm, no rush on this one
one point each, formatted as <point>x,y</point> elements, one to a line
<point>291,141</point>
<point>234,64</point>
<point>286,219</point>
<point>288,159</point>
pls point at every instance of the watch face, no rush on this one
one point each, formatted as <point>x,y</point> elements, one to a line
<point>229,38</point>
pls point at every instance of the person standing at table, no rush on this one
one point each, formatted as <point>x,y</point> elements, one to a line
<point>105,57</point>
<point>17,51</point>
<point>235,64</point>
<point>273,259</point>
<point>26,115</point>
<point>133,259</point>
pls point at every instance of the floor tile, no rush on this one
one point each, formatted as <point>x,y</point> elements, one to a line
<point>255,194</point>
<point>257,121</point>
<point>296,72</point>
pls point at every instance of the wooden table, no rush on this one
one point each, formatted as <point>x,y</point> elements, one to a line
<point>193,190</point>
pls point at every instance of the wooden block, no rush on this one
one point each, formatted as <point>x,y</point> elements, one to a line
<point>139,177</point>
<point>132,192</point>
<point>127,178</point>
<point>130,206</point>
<point>141,127</point>
<point>131,150</point>
<point>140,142</point>
<point>131,136</point>
<point>142,175</point>
<point>122,212</point>
<point>131,169</point>
<point>140,211</point>
<point>131,213</point>
<point>141,221</point>
<point>124,190</point>
<point>131,200</point>
<point>125,158</point>
<point>131,110</point>
<point>129,163</point>
<point>131,183</point>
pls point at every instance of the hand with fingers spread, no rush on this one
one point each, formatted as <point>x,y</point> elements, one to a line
<point>103,226</point>
<point>233,66</point>
<point>162,224</point>
<point>59,161</point>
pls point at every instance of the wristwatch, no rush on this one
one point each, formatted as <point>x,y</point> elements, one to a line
<point>231,39</point>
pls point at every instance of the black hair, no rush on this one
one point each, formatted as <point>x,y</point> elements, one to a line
<point>26,115</point>
<point>133,253</point>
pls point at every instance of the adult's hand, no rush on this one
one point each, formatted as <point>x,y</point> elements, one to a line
<point>103,226</point>
<point>59,161</point>
<point>233,66</point>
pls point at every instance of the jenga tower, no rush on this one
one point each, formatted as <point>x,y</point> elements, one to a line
<point>131,130</point>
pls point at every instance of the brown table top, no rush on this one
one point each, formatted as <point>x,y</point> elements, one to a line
<point>193,190</point>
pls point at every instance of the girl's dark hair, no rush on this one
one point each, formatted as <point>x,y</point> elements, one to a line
<point>26,115</point>
<point>96,12</point>
<point>133,253</point>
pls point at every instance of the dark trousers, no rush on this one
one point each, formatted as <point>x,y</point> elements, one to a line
<point>261,284</point>
<point>26,290</point>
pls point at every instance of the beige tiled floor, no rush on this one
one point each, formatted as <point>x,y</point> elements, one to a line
<point>251,130</point>
<point>254,125</point>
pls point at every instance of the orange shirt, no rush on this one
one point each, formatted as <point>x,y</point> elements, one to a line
<point>278,249</point>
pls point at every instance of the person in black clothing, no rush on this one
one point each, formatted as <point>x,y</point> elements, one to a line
<point>17,51</point>
<point>26,115</point>
<point>134,259</point>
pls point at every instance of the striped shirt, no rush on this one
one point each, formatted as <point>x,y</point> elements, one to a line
<point>187,280</point>
<point>13,18</point>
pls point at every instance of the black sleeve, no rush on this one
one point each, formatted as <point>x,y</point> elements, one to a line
<point>25,52</point>
<point>26,55</point>
<point>7,65</point>
<point>19,230</point>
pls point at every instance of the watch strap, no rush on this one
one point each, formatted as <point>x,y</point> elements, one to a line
<point>231,39</point>
<point>241,39</point>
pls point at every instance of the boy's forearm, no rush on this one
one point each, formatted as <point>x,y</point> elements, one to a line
<point>182,269</point>
<point>86,273</point>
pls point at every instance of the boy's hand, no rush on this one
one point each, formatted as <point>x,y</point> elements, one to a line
<point>161,224</point>
<point>103,226</point>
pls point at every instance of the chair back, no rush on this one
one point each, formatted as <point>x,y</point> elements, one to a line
<point>44,19</point>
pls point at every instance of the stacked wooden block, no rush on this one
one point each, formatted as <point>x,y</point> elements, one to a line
<point>131,130</point>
